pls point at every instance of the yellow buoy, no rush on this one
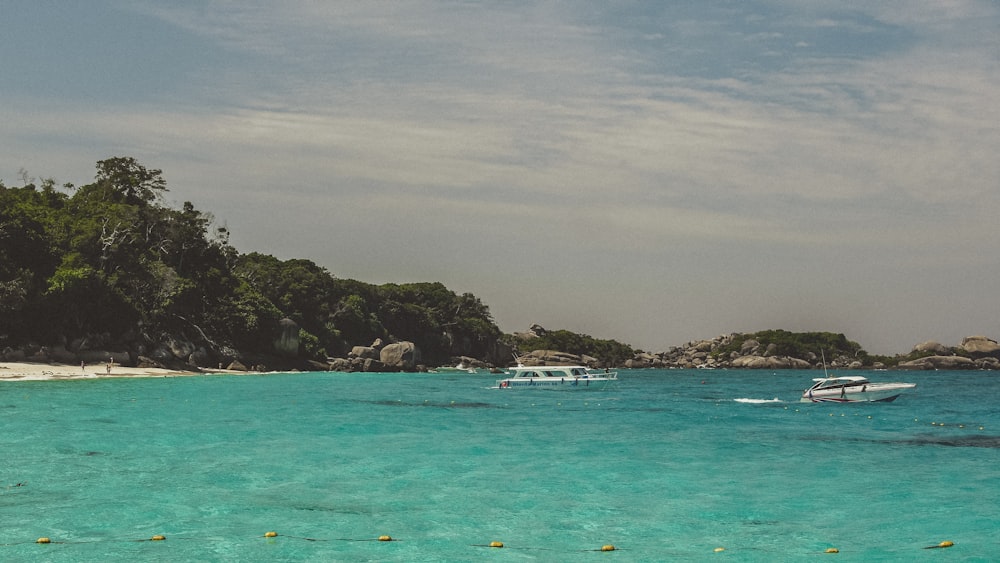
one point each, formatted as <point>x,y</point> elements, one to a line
<point>158,537</point>
<point>946,543</point>
<point>608,547</point>
<point>271,534</point>
<point>719,549</point>
<point>832,550</point>
<point>496,544</point>
<point>43,540</point>
<point>385,538</point>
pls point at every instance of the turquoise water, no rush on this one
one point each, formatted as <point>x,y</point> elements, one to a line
<point>669,465</point>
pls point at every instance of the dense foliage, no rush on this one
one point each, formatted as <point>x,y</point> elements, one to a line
<point>107,263</point>
<point>609,352</point>
<point>804,345</point>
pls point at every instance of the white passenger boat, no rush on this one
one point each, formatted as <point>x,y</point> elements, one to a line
<point>852,389</point>
<point>559,377</point>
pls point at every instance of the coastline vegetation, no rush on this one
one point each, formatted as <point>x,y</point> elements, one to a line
<point>108,263</point>
<point>608,352</point>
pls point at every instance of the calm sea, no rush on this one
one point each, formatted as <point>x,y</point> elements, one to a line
<point>669,465</point>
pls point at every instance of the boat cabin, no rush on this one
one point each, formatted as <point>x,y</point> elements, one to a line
<point>546,371</point>
<point>838,382</point>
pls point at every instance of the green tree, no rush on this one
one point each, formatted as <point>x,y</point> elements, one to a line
<point>130,182</point>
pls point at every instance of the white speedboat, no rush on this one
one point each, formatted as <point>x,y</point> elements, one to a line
<point>852,389</point>
<point>560,377</point>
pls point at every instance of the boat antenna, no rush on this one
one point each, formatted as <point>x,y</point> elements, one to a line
<point>517,359</point>
<point>823,355</point>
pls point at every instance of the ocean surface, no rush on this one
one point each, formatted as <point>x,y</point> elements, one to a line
<point>667,465</point>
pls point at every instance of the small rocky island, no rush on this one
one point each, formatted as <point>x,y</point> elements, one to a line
<point>974,352</point>
<point>765,350</point>
<point>732,351</point>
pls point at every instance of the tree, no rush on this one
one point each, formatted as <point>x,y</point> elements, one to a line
<point>131,181</point>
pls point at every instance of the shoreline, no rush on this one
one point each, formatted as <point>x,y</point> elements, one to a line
<point>30,371</point>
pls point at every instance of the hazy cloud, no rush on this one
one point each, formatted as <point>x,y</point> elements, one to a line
<point>651,172</point>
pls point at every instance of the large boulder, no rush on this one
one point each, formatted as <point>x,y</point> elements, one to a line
<point>556,358</point>
<point>364,352</point>
<point>340,364</point>
<point>703,346</point>
<point>770,362</point>
<point>931,346</point>
<point>180,349</point>
<point>980,346</point>
<point>939,362</point>
<point>534,331</point>
<point>202,358</point>
<point>400,356</point>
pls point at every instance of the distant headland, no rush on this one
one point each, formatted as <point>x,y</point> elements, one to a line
<point>106,273</point>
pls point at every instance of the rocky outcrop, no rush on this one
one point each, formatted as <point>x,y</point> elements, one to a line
<point>769,362</point>
<point>400,356</point>
<point>364,352</point>
<point>981,347</point>
<point>939,362</point>
<point>975,352</point>
<point>932,347</point>
<point>534,331</point>
<point>556,358</point>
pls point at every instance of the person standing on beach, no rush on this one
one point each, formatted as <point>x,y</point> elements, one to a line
<point>83,367</point>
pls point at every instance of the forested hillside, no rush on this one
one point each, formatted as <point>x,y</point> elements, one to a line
<point>108,265</point>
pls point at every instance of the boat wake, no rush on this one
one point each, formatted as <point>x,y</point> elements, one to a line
<point>758,401</point>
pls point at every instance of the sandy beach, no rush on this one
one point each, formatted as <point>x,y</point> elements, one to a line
<point>26,371</point>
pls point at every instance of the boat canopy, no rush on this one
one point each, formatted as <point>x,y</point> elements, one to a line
<point>550,371</point>
<point>844,378</point>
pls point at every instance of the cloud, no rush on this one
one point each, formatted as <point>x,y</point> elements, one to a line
<point>761,136</point>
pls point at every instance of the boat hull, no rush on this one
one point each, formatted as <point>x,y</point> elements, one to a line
<point>568,383</point>
<point>874,393</point>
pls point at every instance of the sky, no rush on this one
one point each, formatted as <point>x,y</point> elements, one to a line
<point>649,172</point>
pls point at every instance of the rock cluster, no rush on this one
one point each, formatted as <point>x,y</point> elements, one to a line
<point>556,358</point>
<point>706,354</point>
<point>379,357</point>
<point>975,352</point>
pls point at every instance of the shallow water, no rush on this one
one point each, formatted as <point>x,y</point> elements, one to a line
<point>667,465</point>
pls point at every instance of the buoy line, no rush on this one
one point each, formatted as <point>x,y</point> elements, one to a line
<point>272,535</point>
<point>501,545</point>
<point>162,537</point>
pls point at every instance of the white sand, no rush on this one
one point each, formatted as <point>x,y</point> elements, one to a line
<point>25,371</point>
